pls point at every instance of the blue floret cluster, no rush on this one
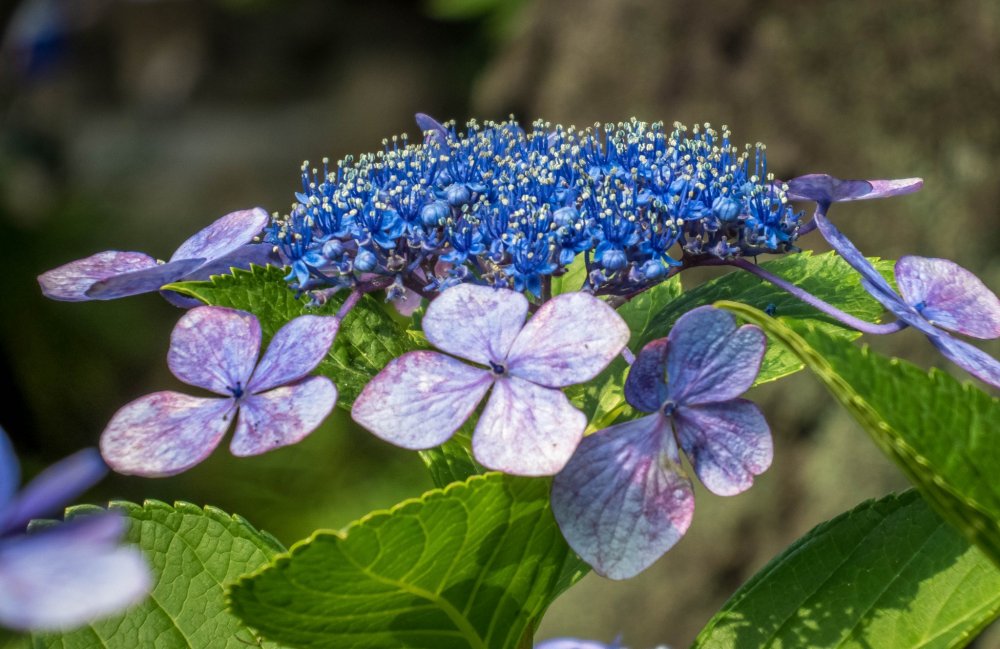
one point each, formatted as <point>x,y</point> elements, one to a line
<point>501,206</point>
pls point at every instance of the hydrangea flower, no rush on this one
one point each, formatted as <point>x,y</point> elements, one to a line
<point>216,348</point>
<point>824,190</point>
<point>935,295</point>
<point>528,426</point>
<point>623,499</point>
<point>575,643</point>
<point>112,274</point>
<point>68,574</point>
<point>511,208</point>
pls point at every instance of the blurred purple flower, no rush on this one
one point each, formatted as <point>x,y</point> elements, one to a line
<point>934,295</point>
<point>112,274</point>
<point>623,499</point>
<point>66,575</point>
<point>575,643</point>
<point>528,426</point>
<point>215,348</point>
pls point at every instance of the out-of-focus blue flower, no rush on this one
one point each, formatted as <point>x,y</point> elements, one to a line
<point>623,499</point>
<point>226,243</point>
<point>216,348</point>
<point>65,575</point>
<point>528,426</point>
<point>512,208</point>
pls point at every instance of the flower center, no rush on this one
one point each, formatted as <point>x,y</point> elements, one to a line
<point>498,369</point>
<point>668,408</point>
<point>237,391</point>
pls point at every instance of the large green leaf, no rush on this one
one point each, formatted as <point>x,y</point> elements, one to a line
<point>942,433</point>
<point>194,554</point>
<point>368,337</point>
<point>826,276</point>
<point>471,566</point>
<point>889,574</point>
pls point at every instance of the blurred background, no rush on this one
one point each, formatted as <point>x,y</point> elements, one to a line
<point>131,124</point>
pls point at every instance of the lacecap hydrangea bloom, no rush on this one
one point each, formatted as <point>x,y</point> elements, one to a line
<point>501,206</point>
<point>67,574</point>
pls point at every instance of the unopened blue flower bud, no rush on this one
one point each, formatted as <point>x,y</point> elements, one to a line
<point>333,249</point>
<point>432,214</point>
<point>613,259</point>
<point>652,269</point>
<point>457,194</point>
<point>565,216</point>
<point>365,261</point>
<point>726,208</point>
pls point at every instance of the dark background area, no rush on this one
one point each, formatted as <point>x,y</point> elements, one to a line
<point>130,125</point>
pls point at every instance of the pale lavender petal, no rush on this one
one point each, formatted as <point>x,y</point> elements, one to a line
<point>180,300</point>
<point>164,433</point>
<point>623,500</point>
<point>949,296</point>
<point>432,129</point>
<point>142,281</point>
<point>646,385</point>
<point>574,643</point>
<point>527,429</point>
<point>70,282</point>
<point>64,577</point>
<point>570,339</point>
<point>54,488</point>
<point>971,359</point>
<point>295,350</point>
<point>282,416</point>
<point>224,235</point>
<point>709,359</point>
<point>420,399</point>
<point>900,309</point>
<point>257,254</point>
<point>728,443</point>
<point>478,323</point>
<point>10,470</point>
<point>215,348</point>
<point>882,290</point>
<point>823,188</point>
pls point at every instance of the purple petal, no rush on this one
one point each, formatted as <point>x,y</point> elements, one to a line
<point>971,359</point>
<point>142,281</point>
<point>282,416</point>
<point>223,236</point>
<point>54,488</point>
<point>256,254</point>
<point>895,305</point>
<point>215,348</point>
<point>949,296</point>
<point>574,643</point>
<point>824,188</point>
<point>709,359</point>
<point>64,577</point>
<point>432,129</point>
<point>570,339</point>
<point>880,289</point>
<point>10,471</point>
<point>527,429</point>
<point>420,399</point>
<point>295,350</point>
<point>180,300</point>
<point>70,282</point>
<point>164,433</point>
<point>728,443</point>
<point>478,323</point>
<point>622,500</point>
<point>646,386</point>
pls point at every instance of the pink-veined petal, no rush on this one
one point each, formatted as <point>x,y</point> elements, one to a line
<point>66,576</point>
<point>971,359</point>
<point>295,350</point>
<point>710,359</point>
<point>53,489</point>
<point>949,296</point>
<point>282,416</point>
<point>215,348</point>
<point>71,281</point>
<point>142,281</point>
<point>478,323</point>
<point>420,399</point>
<point>570,339</point>
<point>223,236</point>
<point>527,429</point>
<point>728,443</point>
<point>646,386</point>
<point>164,433</point>
<point>623,500</point>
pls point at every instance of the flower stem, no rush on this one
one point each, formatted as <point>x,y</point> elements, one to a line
<point>349,303</point>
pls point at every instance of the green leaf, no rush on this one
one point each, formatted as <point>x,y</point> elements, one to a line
<point>941,432</point>
<point>194,554</point>
<point>889,574</point>
<point>453,460</point>
<point>368,338</point>
<point>471,566</point>
<point>572,279</point>
<point>826,276</point>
